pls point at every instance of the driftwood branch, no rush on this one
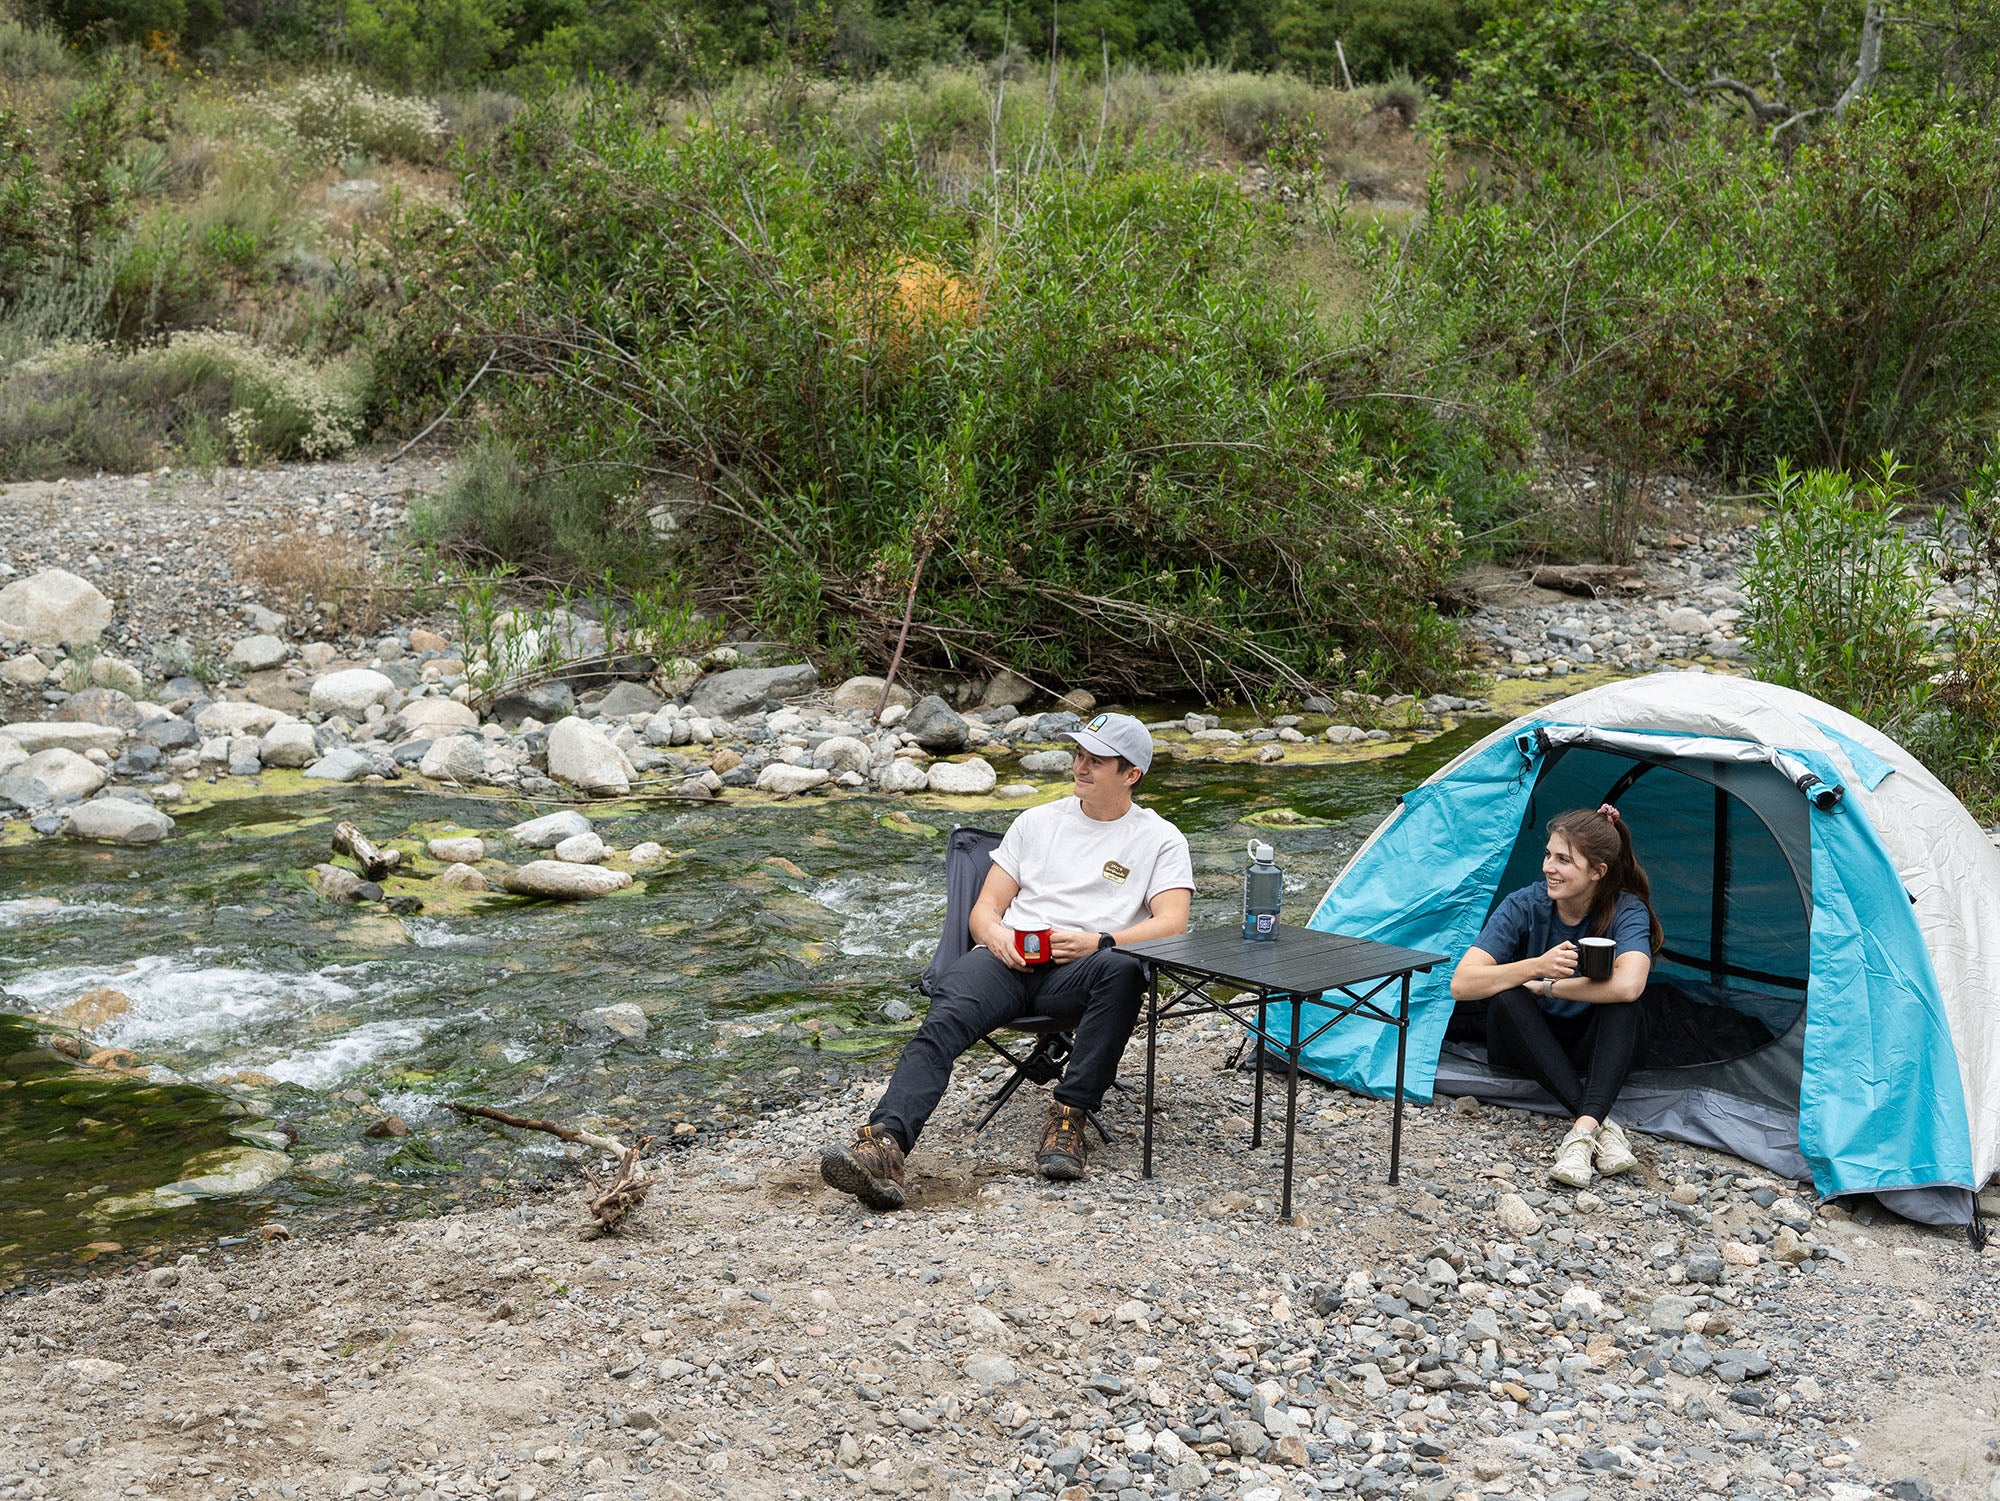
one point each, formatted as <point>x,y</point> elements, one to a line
<point>374,861</point>
<point>611,1200</point>
<point>603,1144</point>
<point>445,415</point>
<point>625,1192</point>
<point>902,636</point>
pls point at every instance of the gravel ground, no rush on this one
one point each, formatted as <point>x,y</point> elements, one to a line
<point>753,1334</point>
<point>161,546</point>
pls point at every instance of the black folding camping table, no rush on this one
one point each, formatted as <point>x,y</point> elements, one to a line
<point>1219,970</point>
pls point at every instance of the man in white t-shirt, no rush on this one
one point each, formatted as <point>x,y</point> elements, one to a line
<point>1095,872</point>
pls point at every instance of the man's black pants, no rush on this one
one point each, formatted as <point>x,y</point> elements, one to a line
<point>1582,1060</point>
<point>1101,992</point>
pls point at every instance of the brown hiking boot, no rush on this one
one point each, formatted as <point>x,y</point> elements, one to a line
<point>871,1169</point>
<point>1063,1147</point>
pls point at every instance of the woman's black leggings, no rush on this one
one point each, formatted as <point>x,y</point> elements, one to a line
<point>1582,1060</point>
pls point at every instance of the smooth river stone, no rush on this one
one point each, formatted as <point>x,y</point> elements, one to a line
<point>565,882</point>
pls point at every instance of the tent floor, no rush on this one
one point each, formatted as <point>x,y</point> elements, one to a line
<point>1759,1134</point>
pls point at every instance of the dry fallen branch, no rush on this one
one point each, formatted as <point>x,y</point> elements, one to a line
<point>612,1201</point>
<point>374,861</point>
<point>625,1192</point>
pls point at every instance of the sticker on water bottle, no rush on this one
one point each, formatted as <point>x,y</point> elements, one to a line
<point>1267,923</point>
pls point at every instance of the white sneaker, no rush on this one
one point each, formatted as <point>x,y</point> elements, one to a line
<point>1572,1164</point>
<point>1614,1153</point>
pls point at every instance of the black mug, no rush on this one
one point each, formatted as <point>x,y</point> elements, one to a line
<point>1594,958</point>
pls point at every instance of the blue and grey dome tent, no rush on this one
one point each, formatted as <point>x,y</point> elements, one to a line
<point>1828,1000</point>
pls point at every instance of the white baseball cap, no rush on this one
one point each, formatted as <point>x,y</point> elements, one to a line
<point>1117,735</point>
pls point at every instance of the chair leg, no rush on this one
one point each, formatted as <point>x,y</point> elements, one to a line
<point>1000,1099</point>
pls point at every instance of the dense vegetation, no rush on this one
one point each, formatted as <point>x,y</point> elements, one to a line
<point>1121,342</point>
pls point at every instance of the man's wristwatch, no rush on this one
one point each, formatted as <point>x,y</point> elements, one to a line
<point>1106,941</point>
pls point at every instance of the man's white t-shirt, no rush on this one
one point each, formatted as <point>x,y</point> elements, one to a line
<point>1098,875</point>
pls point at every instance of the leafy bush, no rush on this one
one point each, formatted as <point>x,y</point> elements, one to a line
<point>86,407</point>
<point>30,220</point>
<point>1626,299</point>
<point>407,42</point>
<point>1117,465</point>
<point>28,51</point>
<point>335,116</point>
<point>572,523</point>
<point>1882,245</point>
<point>1839,592</point>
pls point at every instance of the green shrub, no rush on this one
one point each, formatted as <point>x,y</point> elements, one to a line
<point>28,51</point>
<point>335,116</point>
<point>1625,296</point>
<point>1103,433</point>
<point>85,407</point>
<point>407,42</point>
<point>571,524</point>
<point>1839,592</point>
<point>30,217</point>
<point>1882,246</point>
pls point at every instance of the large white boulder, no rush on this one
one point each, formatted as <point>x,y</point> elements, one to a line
<point>350,692</point>
<point>581,849</point>
<point>780,778</point>
<point>53,607</point>
<point>436,716</point>
<point>64,734</point>
<point>119,820</point>
<point>550,830</point>
<point>238,719</point>
<point>565,882</point>
<point>582,755</point>
<point>11,755</point>
<point>841,753</point>
<point>972,778</point>
<point>290,743</point>
<point>341,764</point>
<point>456,758</point>
<point>257,653</point>
<point>903,775</point>
<point>861,695</point>
<point>50,776</point>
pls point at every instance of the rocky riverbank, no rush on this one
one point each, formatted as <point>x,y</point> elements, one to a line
<point>135,661</point>
<point>1693,1331</point>
<point>1689,1331</point>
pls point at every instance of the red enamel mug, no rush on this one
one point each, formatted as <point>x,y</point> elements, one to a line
<point>1033,945</point>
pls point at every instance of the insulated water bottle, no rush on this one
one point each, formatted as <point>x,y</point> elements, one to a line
<point>1263,893</point>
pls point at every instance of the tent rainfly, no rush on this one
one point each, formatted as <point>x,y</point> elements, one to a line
<point>1828,1000</point>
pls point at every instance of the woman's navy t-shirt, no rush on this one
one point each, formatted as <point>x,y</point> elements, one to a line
<point>1526,925</point>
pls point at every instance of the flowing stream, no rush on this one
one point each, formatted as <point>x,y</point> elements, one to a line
<point>257,1018</point>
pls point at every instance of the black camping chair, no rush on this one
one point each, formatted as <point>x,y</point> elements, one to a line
<point>968,856</point>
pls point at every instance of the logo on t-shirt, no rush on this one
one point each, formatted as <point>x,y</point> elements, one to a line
<point>1115,873</point>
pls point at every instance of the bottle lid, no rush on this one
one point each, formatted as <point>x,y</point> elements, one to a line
<point>1263,854</point>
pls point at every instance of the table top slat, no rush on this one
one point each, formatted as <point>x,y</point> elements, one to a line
<point>1298,959</point>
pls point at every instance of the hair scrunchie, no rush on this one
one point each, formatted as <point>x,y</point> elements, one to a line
<point>1608,811</point>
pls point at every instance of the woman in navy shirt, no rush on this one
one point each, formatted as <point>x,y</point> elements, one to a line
<point>1577,1038</point>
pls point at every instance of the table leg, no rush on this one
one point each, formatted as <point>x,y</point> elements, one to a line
<point>1402,1048</point>
<point>1152,1046</point>
<point>1257,1111</point>
<point>1291,1108</point>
